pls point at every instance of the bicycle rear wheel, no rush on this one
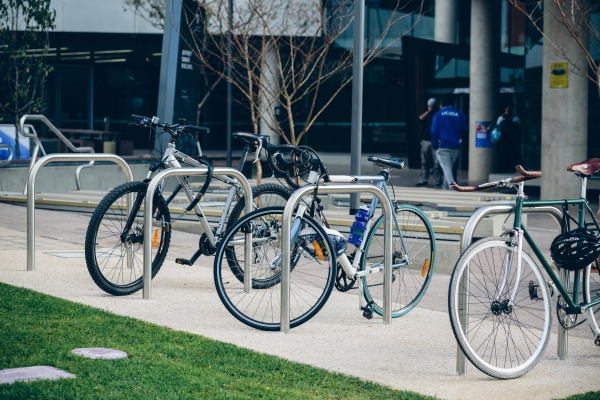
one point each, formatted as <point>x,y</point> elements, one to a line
<point>311,276</point>
<point>409,282</point>
<point>502,340</point>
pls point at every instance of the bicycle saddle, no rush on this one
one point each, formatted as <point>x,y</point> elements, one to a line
<point>250,138</point>
<point>387,162</point>
<point>585,168</point>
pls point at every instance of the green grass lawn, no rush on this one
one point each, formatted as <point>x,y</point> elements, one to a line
<point>36,329</point>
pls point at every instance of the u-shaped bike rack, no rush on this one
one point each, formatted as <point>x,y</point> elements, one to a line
<point>31,189</point>
<point>467,237</point>
<point>153,185</point>
<point>10,153</point>
<point>286,245</point>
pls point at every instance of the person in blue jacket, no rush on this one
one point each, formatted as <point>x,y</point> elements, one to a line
<point>447,128</point>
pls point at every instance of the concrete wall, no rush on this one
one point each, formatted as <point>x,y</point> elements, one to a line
<point>564,115</point>
<point>106,16</point>
<point>61,178</point>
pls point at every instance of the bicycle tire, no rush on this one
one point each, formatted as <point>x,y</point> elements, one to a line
<point>418,234</point>
<point>591,287</point>
<point>260,190</point>
<point>109,209</point>
<point>311,282</point>
<point>517,337</point>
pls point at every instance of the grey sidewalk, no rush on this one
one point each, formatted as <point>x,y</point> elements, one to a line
<point>417,352</point>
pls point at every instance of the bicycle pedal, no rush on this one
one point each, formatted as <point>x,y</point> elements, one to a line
<point>597,341</point>
<point>183,261</point>
<point>368,312</point>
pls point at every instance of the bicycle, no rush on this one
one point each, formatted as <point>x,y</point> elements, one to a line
<point>114,238</point>
<point>498,300</point>
<point>318,257</point>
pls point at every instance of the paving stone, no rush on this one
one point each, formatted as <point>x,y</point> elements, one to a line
<point>100,353</point>
<point>27,374</point>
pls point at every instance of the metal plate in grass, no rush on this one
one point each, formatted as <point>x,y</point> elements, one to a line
<point>100,353</point>
<point>28,374</point>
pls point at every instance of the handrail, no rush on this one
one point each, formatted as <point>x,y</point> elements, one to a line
<point>467,237</point>
<point>31,192</point>
<point>286,246</point>
<point>62,137</point>
<point>156,180</point>
<point>10,153</point>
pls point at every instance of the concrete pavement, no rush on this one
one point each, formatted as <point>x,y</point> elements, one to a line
<point>417,352</point>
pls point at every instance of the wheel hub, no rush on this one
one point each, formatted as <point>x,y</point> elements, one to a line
<point>499,307</point>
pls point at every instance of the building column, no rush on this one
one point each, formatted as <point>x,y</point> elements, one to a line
<point>446,18</point>
<point>564,114</point>
<point>484,81</point>
<point>270,81</point>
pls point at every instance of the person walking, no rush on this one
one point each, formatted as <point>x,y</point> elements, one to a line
<point>429,162</point>
<point>508,147</point>
<point>447,128</point>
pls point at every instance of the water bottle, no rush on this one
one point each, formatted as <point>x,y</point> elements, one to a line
<point>357,231</point>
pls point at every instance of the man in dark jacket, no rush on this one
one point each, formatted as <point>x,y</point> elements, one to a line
<point>429,161</point>
<point>447,128</point>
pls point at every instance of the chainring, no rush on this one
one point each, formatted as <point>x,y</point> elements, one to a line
<point>205,247</point>
<point>343,282</point>
<point>567,321</point>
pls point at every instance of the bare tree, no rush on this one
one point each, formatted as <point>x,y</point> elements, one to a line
<point>581,19</point>
<point>152,11</point>
<point>24,42</point>
<point>283,51</point>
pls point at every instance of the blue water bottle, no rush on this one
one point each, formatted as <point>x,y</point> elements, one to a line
<point>357,231</point>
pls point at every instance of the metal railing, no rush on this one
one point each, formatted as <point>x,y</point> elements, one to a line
<point>153,185</point>
<point>10,153</point>
<point>54,129</point>
<point>286,238</point>
<point>467,237</point>
<point>31,192</point>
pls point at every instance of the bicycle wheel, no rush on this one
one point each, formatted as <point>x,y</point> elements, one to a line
<point>591,287</point>
<point>501,340</point>
<point>106,251</point>
<point>409,282</point>
<point>311,276</point>
<point>265,195</point>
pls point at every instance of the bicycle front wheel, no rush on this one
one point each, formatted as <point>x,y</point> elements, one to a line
<point>502,339</point>
<point>311,276</point>
<point>115,258</point>
<point>409,280</point>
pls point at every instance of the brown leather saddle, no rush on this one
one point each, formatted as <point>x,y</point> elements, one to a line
<point>585,168</point>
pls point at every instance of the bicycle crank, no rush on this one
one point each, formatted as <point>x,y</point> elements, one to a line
<point>343,282</point>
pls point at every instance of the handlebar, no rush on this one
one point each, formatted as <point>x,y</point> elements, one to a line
<point>175,130</point>
<point>525,176</point>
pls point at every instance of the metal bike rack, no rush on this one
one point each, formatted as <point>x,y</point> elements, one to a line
<point>58,133</point>
<point>148,219</point>
<point>286,238</point>
<point>10,153</point>
<point>31,192</point>
<point>467,237</point>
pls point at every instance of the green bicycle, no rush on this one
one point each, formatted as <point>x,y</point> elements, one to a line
<point>499,301</point>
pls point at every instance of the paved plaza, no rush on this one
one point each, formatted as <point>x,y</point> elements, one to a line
<point>416,352</point>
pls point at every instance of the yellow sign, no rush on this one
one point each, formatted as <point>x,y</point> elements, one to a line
<point>559,75</point>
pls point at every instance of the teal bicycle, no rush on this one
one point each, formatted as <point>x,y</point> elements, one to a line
<point>499,301</point>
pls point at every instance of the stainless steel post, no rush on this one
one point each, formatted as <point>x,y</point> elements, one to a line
<point>467,237</point>
<point>286,245</point>
<point>31,189</point>
<point>10,153</point>
<point>158,178</point>
<point>563,334</point>
<point>357,96</point>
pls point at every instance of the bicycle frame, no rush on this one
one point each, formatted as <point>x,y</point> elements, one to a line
<point>351,269</point>
<point>170,158</point>
<point>573,304</point>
